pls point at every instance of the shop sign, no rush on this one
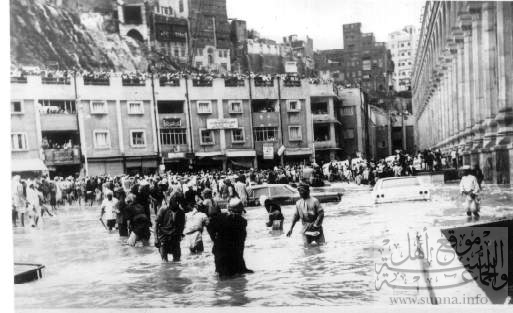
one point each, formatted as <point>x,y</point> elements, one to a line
<point>222,123</point>
<point>268,150</point>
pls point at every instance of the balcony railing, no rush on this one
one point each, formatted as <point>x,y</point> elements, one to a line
<point>55,80</point>
<point>62,156</point>
<point>201,83</point>
<point>169,82</point>
<point>133,82</point>
<point>19,80</point>
<point>97,81</point>
<point>233,82</point>
<point>264,83</point>
<point>292,81</point>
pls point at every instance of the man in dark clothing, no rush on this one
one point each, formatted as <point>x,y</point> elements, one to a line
<point>157,196</point>
<point>169,226</point>
<point>190,198</point>
<point>228,232</point>
<point>139,222</point>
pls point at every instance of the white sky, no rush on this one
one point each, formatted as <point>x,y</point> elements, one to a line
<point>322,19</point>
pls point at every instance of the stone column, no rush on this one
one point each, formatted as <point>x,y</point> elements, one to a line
<point>504,117</point>
<point>489,92</point>
<point>469,103</point>
<point>477,87</point>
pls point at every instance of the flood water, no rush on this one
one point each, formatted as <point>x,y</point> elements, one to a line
<point>89,268</point>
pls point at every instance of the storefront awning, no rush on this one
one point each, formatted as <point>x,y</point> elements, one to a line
<point>298,151</point>
<point>209,154</point>
<point>240,153</point>
<point>24,165</point>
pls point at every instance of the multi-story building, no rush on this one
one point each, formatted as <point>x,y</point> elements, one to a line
<point>115,124</point>
<point>363,62</point>
<point>161,24</point>
<point>403,44</point>
<point>462,82</point>
<point>210,34</point>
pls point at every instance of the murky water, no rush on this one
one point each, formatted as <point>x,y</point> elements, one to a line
<point>87,267</point>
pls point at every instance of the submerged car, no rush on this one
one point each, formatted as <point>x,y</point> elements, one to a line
<point>393,189</point>
<point>285,194</point>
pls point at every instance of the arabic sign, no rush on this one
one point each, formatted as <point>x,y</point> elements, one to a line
<point>435,259</point>
<point>170,32</point>
<point>281,150</point>
<point>222,123</point>
<point>268,150</point>
<point>171,122</point>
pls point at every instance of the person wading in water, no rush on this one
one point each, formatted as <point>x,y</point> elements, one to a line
<point>169,226</point>
<point>228,232</point>
<point>311,213</point>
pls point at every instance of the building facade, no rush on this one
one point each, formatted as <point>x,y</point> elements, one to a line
<point>403,45</point>
<point>115,125</point>
<point>463,82</point>
<point>362,62</point>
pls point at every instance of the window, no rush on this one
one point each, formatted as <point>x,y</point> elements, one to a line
<point>198,64</point>
<point>101,139</point>
<point>266,133</point>
<point>170,107</point>
<point>137,138</point>
<point>57,106</point>
<point>319,108</point>
<point>16,107</point>
<point>235,106</point>
<point>206,137</point>
<point>183,52</point>
<point>293,105</point>
<point>173,136</point>
<point>348,133</point>
<point>220,53</point>
<point>180,4</point>
<point>347,111</point>
<point>132,15</point>
<point>204,107</point>
<point>135,107</point>
<point>19,142</point>
<point>263,106</point>
<point>177,52</point>
<point>295,133</point>
<point>98,107</point>
<point>238,135</point>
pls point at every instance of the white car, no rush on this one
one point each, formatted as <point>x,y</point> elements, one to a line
<point>393,189</point>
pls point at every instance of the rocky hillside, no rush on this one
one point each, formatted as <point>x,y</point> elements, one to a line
<point>43,35</point>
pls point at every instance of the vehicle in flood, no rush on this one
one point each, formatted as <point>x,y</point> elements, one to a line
<point>395,189</point>
<point>286,194</point>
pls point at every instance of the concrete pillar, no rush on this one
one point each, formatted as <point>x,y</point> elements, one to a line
<point>461,90</point>
<point>477,88</point>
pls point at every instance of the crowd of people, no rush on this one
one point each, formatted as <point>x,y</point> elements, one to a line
<point>362,171</point>
<point>138,77</point>
<point>173,207</point>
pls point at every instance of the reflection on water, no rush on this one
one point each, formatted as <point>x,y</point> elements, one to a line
<point>87,267</point>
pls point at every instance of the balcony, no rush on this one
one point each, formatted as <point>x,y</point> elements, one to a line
<point>62,156</point>
<point>169,82</point>
<point>55,80</point>
<point>261,82</point>
<point>292,81</point>
<point>325,144</point>
<point>133,80</point>
<point>19,80</point>
<point>202,82</point>
<point>233,82</point>
<point>59,122</point>
<point>97,81</point>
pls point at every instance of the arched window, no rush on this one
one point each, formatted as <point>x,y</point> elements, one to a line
<point>134,33</point>
<point>210,59</point>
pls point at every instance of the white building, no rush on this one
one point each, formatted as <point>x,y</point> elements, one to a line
<point>402,44</point>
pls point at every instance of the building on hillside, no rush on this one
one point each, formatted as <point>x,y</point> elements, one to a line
<point>462,82</point>
<point>210,35</point>
<point>120,124</point>
<point>403,45</point>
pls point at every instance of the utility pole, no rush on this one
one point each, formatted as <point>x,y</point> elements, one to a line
<point>157,129</point>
